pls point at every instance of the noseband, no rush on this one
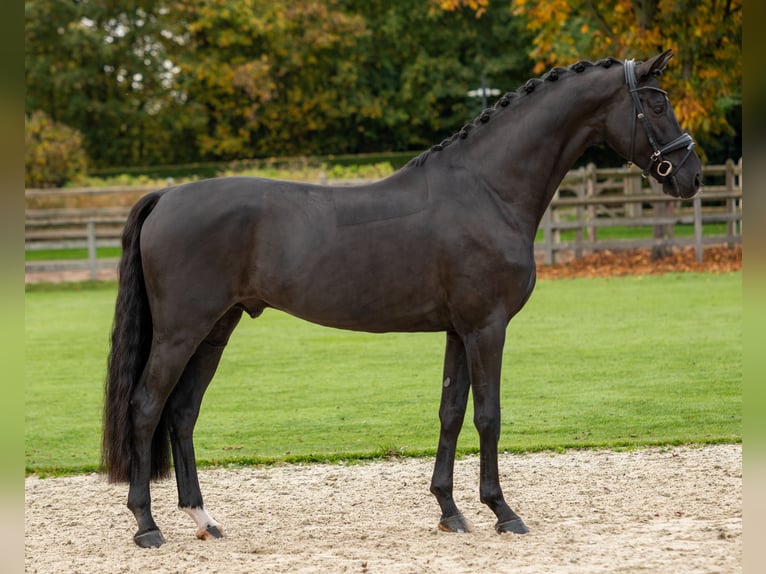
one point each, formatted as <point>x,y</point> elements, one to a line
<point>662,167</point>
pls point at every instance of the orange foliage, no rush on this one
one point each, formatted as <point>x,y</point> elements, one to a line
<point>705,36</point>
<point>478,6</point>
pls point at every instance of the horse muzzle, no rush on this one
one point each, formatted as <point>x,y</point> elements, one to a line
<point>681,189</point>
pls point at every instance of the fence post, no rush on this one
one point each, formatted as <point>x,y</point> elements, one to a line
<point>698,249</point>
<point>661,232</point>
<point>737,205</point>
<point>730,202</point>
<point>91,231</point>
<point>631,184</point>
<point>548,232</point>
<point>590,191</point>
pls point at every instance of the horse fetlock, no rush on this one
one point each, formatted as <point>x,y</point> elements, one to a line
<point>494,499</point>
<point>207,527</point>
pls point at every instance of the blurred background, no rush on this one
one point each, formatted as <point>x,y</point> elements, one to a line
<point>161,88</point>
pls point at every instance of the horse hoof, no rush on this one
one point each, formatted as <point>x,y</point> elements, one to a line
<point>210,533</point>
<point>516,526</point>
<point>456,523</point>
<point>149,539</point>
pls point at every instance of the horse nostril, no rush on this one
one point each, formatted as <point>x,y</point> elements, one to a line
<point>697,181</point>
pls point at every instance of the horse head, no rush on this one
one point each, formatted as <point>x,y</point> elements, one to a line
<point>653,139</point>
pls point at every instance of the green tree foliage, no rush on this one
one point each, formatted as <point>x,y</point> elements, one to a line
<point>261,77</point>
<point>170,81</point>
<point>164,81</point>
<point>54,155</point>
<point>267,78</point>
<point>419,62</point>
<point>101,66</point>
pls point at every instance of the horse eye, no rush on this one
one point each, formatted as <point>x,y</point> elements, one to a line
<point>659,109</point>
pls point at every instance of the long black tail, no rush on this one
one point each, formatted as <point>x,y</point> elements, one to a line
<point>131,343</point>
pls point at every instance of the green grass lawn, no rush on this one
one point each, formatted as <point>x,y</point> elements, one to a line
<point>640,232</point>
<point>74,253</point>
<point>616,362</point>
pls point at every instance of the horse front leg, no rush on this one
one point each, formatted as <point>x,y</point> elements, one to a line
<point>484,349</point>
<point>455,386</point>
<point>183,410</point>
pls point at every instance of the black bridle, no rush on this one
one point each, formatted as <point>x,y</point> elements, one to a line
<point>662,167</point>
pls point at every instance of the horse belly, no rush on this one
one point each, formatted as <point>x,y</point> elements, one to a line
<point>377,311</point>
<point>375,277</point>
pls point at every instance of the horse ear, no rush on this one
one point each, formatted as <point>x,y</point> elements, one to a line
<point>655,66</point>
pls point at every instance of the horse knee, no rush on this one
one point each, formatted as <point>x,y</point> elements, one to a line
<point>487,423</point>
<point>451,422</point>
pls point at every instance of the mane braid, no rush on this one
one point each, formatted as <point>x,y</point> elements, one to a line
<point>509,99</point>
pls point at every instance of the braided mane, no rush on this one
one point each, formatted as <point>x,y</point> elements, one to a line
<point>509,100</point>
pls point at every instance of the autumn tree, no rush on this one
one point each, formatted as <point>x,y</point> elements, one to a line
<point>258,77</point>
<point>309,77</point>
<point>53,153</point>
<point>705,36</point>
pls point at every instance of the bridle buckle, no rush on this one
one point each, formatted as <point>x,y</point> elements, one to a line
<point>664,168</point>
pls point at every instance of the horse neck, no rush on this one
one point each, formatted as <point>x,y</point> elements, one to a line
<point>525,152</point>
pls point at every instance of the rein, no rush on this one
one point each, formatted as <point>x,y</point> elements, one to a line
<point>662,167</point>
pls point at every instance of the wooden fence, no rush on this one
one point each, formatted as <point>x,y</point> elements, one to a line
<point>591,200</point>
<point>588,204</point>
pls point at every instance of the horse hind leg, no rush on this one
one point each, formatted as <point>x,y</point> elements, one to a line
<point>451,414</point>
<point>182,411</point>
<point>163,369</point>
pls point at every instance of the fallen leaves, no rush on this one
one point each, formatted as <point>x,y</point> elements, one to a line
<point>716,259</point>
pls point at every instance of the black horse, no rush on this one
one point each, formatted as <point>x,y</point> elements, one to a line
<point>444,244</point>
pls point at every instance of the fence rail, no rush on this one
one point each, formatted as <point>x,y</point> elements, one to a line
<point>587,204</point>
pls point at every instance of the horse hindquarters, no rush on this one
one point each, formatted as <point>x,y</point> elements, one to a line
<point>143,370</point>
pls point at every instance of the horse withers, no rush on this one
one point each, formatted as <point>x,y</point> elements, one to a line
<point>444,244</point>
